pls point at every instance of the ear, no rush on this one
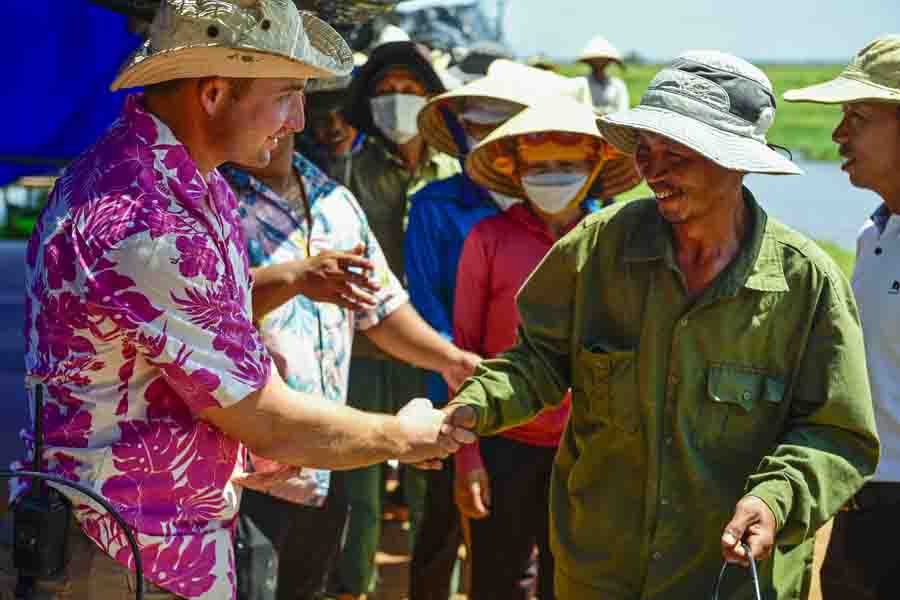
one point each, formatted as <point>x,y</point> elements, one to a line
<point>214,94</point>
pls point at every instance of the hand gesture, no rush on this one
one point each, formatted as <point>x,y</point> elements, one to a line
<point>460,369</point>
<point>752,523</point>
<point>327,277</point>
<point>472,493</point>
<point>430,434</point>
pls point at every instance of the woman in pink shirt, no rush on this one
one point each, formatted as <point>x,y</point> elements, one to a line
<point>549,156</point>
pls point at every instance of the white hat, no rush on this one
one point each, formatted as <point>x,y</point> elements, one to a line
<point>235,38</point>
<point>599,47</point>
<point>714,103</point>
<point>507,81</point>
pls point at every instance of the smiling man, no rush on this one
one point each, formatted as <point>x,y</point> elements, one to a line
<point>138,310</point>
<point>719,390</point>
<point>869,138</point>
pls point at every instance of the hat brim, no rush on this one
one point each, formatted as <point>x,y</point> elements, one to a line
<point>725,149</point>
<point>326,55</point>
<point>560,116</point>
<point>841,90</point>
<point>431,121</point>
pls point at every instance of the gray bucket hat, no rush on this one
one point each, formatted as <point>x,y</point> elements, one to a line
<point>873,76</point>
<point>714,103</point>
<point>235,38</point>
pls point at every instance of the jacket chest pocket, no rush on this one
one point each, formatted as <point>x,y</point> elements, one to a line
<point>741,411</point>
<point>607,385</point>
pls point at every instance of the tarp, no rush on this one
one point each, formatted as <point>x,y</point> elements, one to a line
<point>59,57</point>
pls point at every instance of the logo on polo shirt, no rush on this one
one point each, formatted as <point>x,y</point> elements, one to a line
<point>895,288</point>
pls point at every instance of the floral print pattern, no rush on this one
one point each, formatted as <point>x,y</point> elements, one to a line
<point>310,341</point>
<point>138,317</point>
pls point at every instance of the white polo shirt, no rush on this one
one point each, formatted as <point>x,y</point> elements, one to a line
<point>876,285</point>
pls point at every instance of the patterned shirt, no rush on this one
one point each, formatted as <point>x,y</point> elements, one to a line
<point>138,317</point>
<point>311,340</point>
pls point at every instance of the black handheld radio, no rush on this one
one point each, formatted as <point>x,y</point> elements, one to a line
<point>41,517</point>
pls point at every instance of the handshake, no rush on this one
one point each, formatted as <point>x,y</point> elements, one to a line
<point>431,434</point>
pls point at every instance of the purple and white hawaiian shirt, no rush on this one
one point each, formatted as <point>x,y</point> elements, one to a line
<point>138,317</point>
<point>310,341</point>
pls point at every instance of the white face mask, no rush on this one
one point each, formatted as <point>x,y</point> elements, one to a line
<point>504,201</point>
<point>553,192</point>
<point>395,115</point>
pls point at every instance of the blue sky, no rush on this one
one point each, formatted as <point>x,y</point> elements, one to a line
<point>760,30</point>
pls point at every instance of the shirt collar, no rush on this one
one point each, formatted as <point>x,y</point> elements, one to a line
<point>757,266</point>
<point>315,183</point>
<point>523,214</point>
<point>880,217</point>
<point>186,183</point>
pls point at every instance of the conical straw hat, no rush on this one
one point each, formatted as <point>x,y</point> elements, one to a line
<point>485,164</point>
<point>518,84</point>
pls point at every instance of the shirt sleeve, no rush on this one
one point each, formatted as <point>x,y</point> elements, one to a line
<point>472,294</point>
<point>830,446</point>
<point>188,314</point>
<point>422,251</point>
<point>512,388</point>
<point>390,295</point>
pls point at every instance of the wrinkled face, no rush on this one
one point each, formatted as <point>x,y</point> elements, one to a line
<point>687,185</point>
<point>869,140</point>
<point>247,125</point>
<point>399,81</point>
<point>331,130</point>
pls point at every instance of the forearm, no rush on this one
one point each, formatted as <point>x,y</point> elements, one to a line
<point>407,337</point>
<point>273,286</point>
<point>300,429</point>
<point>332,436</point>
<point>508,391</point>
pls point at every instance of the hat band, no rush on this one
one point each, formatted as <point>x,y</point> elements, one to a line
<point>698,110</point>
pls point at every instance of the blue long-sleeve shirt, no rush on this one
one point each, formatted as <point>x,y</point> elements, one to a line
<point>440,217</point>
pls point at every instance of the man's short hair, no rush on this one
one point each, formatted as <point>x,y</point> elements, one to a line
<point>238,86</point>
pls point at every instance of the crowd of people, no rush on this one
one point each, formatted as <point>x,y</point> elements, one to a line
<point>284,271</point>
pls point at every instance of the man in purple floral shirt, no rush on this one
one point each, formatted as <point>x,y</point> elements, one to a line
<point>139,319</point>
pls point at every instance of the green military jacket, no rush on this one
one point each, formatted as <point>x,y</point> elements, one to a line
<point>682,405</point>
<point>382,186</point>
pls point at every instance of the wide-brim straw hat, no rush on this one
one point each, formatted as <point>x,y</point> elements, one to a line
<point>599,47</point>
<point>714,103</point>
<point>551,115</point>
<point>404,55</point>
<point>872,76</point>
<point>508,81</point>
<point>228,38</point>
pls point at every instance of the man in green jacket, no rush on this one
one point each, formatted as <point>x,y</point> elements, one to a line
<point>715,357</point>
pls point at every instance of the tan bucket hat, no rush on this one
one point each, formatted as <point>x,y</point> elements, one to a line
<point>235,38</point>
<point>507,81</point>
<point>560,114</point>
<point>599,47</point>
<point>873,75</point>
